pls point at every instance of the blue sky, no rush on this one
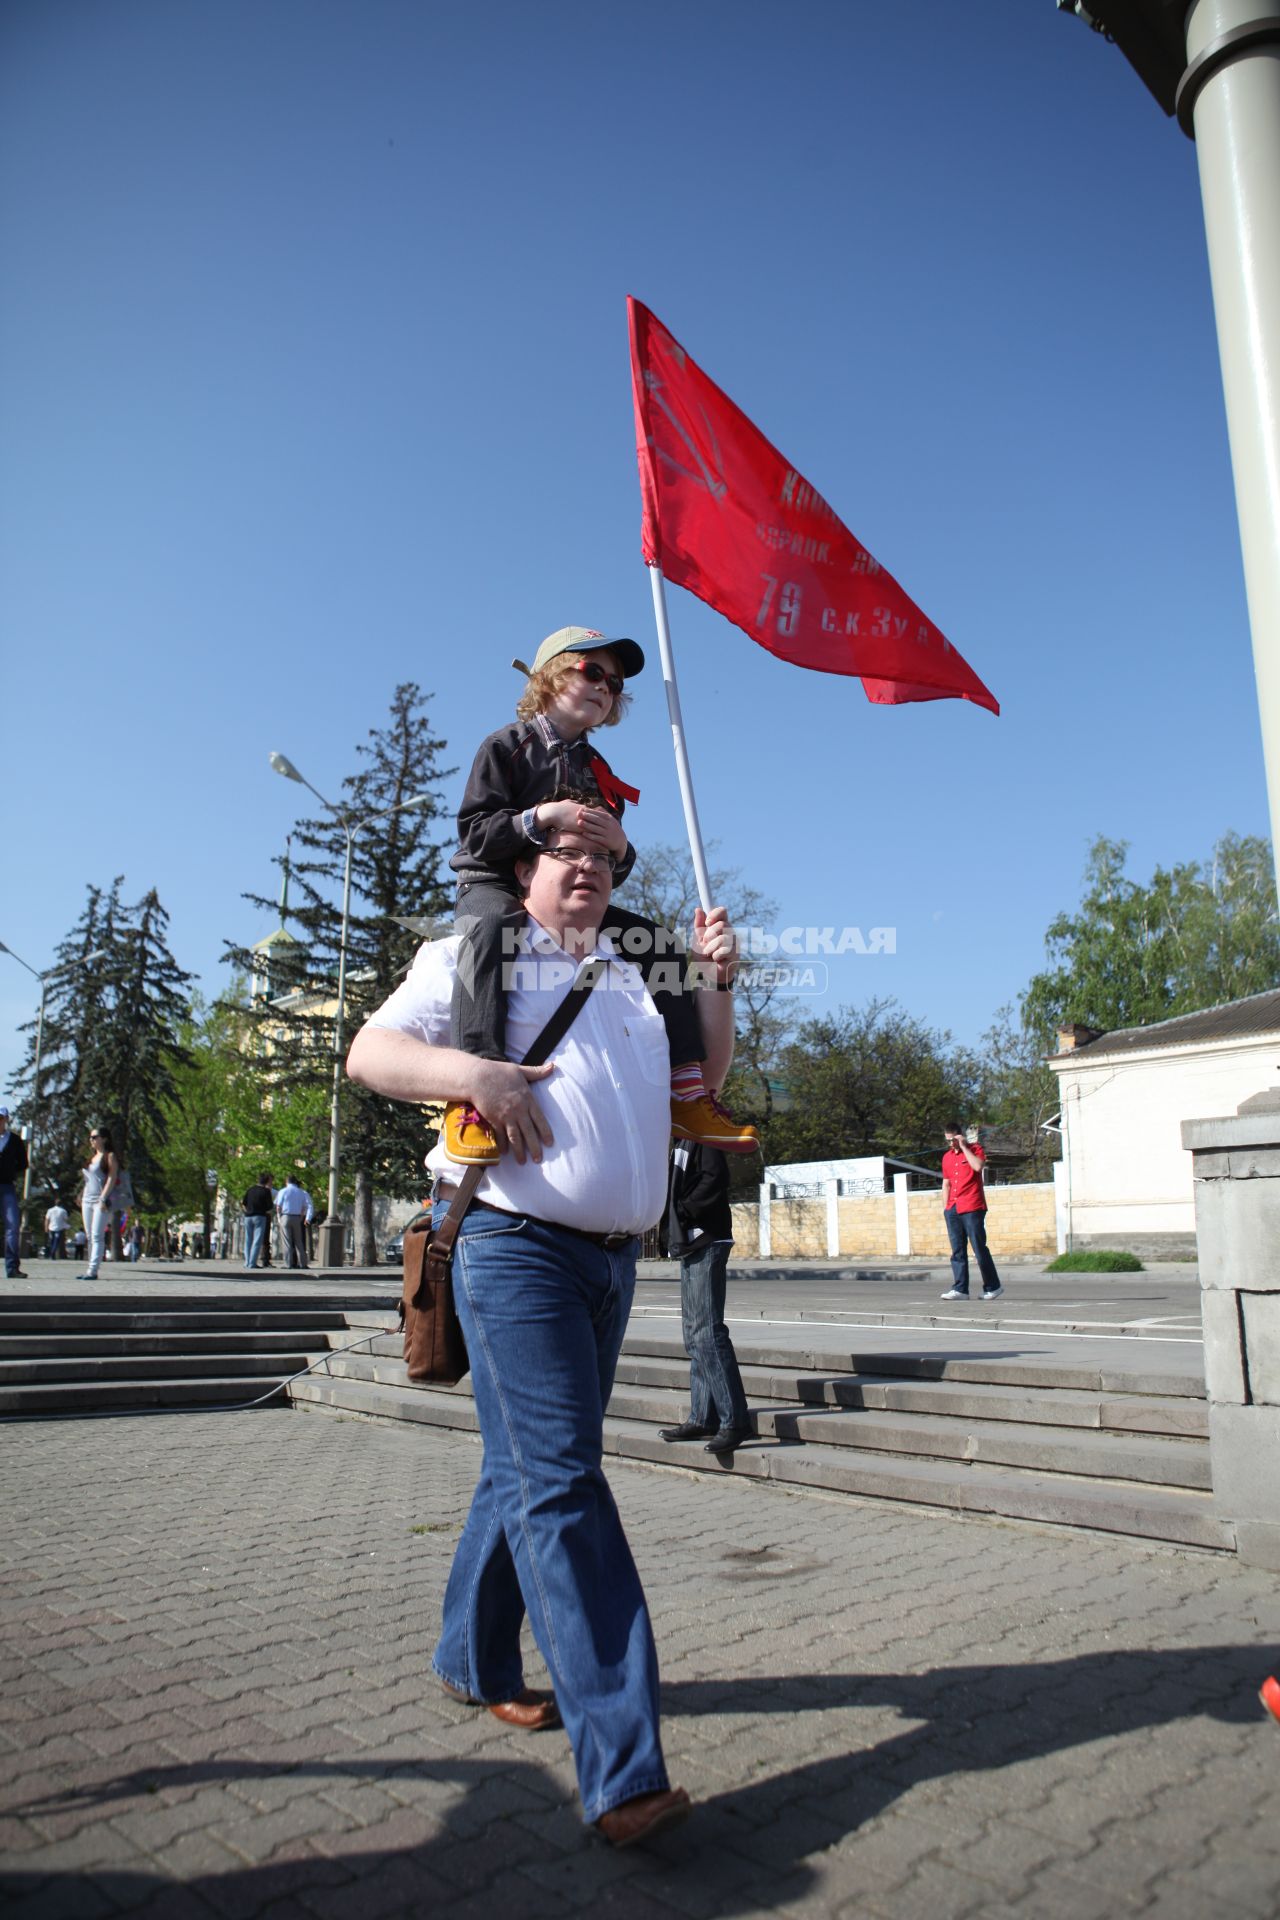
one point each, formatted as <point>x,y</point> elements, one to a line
<point>313,378</point>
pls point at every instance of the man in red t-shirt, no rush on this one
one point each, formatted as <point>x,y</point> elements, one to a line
<point>964,1208</point>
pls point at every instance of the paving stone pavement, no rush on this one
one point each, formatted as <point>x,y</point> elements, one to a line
<point>214,1699</point>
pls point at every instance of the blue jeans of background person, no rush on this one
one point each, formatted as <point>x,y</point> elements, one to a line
<point>544,1312</point>
<point>12,1227</point>
<point>255,1232</point>
<point>965,1230</point>
<point>57,1243</point>
<point>716,1394</point>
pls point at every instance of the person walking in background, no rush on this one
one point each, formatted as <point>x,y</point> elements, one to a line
<point>79,1243</point>
<point>256,1205</point>
<point>697,1230</point>
<point>13,1164</point>
<point>56,1222</point>
<point>296,1212</point>
<point>964,1208</point>
<point>101,1178</point>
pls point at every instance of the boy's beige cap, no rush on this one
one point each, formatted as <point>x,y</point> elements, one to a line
<point>630,657</point>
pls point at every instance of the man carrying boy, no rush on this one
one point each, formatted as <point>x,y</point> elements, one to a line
<point>544,1273</point>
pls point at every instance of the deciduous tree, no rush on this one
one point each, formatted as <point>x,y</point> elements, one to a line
<point>1193,936</point>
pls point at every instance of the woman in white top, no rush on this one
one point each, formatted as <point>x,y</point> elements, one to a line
<point>101,1177</point>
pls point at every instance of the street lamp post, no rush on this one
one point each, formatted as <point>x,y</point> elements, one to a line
<point>332,1232</point>
<point>44,978</point>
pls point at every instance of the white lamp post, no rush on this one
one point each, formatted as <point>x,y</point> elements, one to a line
<point>86,960</point>
<point>1216,65</point>
<point>332,1236</point>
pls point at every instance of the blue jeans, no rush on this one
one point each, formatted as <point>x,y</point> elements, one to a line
<point>255,1232</point>
<point>965,1230</point>
<point>544,1312</point>
<point>12,1227</point>
<point>716,1394</point>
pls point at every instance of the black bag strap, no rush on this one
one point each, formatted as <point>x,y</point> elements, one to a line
<point>548,1040</point>
<point>565,1014</point>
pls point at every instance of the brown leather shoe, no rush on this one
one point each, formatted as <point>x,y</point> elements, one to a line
<point>641,1818</point>
<point>532,1710</point>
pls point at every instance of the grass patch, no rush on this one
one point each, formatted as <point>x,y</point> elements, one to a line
<point>1095,1260</point>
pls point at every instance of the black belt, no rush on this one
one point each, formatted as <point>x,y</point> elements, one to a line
<point>610,1242</point>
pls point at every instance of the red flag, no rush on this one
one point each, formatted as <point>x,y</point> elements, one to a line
<point>727,517</point>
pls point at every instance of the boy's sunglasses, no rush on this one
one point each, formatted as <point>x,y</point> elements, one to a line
<point>596,673</point>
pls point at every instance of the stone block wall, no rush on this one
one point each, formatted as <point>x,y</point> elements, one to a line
<point>798,1229</point>
<point>746,1228</point>
<point>868,1227</point>
<point>1020,1223</point>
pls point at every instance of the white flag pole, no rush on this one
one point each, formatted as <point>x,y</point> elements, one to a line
<point>677,737</point>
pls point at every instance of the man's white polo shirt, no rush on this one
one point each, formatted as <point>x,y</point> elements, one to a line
<point>608,1102</point>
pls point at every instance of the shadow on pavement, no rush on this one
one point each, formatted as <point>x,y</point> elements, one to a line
<point>745,1846</point>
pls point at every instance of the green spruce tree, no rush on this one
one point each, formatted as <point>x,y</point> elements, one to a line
<point>398,857</point>
<point>115,1005</point>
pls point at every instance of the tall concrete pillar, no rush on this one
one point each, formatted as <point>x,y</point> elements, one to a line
<point>1230,98</point>
<point>1236,1168</point>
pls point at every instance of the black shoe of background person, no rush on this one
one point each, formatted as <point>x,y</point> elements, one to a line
<point>17,1274</point>
<point>728,1440</point>
<point>687,1430</point>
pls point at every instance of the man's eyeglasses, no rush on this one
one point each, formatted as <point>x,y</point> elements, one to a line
<point>595,673</point>
<point>587,857</point>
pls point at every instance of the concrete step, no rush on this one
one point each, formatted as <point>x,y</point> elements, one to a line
<point>1152,1513</point>
<point>990,1371</point>
<point>1154,1462</point>
<point>389,1400</point>
<point>1164,1462</point>
<point>56,1370</point>
<point>1108,1411</point>
<point>1157,1513</point>
<point>32,1346</point>
<point>51,1327</point>
<point>1068,1407</point>
<point>105,1296</point>
<point>123,1396</point>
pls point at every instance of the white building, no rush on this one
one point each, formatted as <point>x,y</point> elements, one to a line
<point>1125,1178</point>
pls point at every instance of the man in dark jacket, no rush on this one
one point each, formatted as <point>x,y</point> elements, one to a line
<point>13,1164</point>
<point>697,1230</point>
<point>258,1205</point>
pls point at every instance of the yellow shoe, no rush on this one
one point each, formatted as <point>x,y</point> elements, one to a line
<point>712,1125</point>
<point>468,1137</point>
